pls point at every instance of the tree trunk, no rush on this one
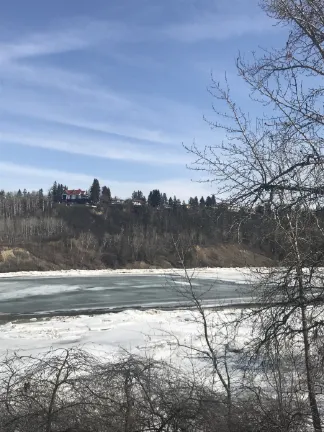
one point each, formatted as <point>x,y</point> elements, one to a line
<point>316,419</point>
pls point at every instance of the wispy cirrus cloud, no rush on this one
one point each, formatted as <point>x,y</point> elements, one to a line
<point>75,99</point>
<point>84,34</point>
<point>76,35</point>
<point>41,44</point>
<point>217,27</point>
<point>90,146</point>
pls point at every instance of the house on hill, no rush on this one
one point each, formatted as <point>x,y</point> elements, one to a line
<point>75,196</point>
<point>117,201</point>
<point>138,202</point>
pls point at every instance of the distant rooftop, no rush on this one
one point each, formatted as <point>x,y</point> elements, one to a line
<point>75,192</point>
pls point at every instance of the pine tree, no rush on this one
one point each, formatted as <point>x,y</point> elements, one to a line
<point>138,195</point>
<point>170,201</point>
<point>213,201</point>
<point>95,192</point>
<point>19,194</point>
<point>202,202</point>
<point>164,200</point>
<point>176,202</point>
<point>209,201</point>
<point>53,192</point>
<point>59,192</point>
<point>154,198</point>
<point>105,195</point>
<point>195,202</point>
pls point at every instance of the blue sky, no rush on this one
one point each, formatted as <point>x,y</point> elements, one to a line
<point>111,89</point>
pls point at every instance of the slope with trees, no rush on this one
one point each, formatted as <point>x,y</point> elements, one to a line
<point>37,232</point>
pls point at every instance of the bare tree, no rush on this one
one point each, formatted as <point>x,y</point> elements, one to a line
<point>277,161</point>
<point>72,391</point>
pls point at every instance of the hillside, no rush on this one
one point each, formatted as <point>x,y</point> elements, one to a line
<point>40,235</point>
<point>52,256</point>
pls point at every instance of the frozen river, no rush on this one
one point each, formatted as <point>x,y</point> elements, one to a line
<point>29,295</point>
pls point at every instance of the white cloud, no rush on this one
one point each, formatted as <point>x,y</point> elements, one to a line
<point>78,34</point>
<point>217,27</point>
<point>75,99</point>
<point>45,109</point>
<point>42,44</point>
<point>77,118</point>
<point>56,78</point>
<point>15,176</point>
<point>82,34</point>
<point>102,148</point>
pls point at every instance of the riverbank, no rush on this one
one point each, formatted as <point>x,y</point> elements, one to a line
<point>230,274</point>
<point>55,256</point>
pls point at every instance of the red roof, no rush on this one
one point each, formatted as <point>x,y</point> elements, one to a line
<point>75,192</point>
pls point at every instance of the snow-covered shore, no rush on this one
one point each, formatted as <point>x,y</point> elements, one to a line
<point>238,275</point>
<point>152,332</point>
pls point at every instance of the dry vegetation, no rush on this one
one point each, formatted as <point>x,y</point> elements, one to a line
<point>37,234</point>
<point>72,391</point>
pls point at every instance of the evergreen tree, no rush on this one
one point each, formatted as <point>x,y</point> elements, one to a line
<point>170,201</point>
<point>54,190</point>
<point>164,200</point>
<point>154,198</point>
<point>19,194</point>
<point>213,201</point>
<point>209,201</point>
<point>105,195</point>
<point>195,202</point>
<point>202,202</point>
<point>59,192</point>
<point>176,202</point>
<point>138,195</point>
<point>95,192</point>
<point>25,192</point>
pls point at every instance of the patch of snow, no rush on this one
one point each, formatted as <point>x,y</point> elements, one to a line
<point>238,275</point>
<point>152,332</point>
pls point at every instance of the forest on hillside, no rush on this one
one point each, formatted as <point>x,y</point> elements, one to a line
<point>39,232</point>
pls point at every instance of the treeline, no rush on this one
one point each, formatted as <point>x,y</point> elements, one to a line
<point>97,194</point>
<point>79,236</point>
<point>155,198</point>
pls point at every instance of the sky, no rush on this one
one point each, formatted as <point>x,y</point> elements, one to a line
<point>113,89</point>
